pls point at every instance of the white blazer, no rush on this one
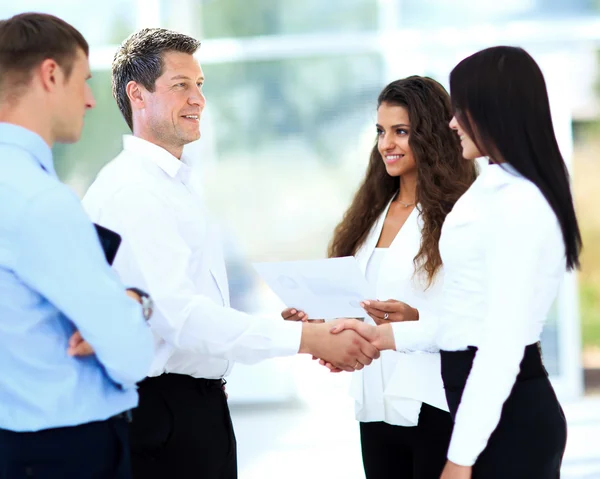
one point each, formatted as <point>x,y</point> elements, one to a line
<point>393,387</point>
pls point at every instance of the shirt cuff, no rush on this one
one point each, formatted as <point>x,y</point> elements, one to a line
<point>413,336</point>
<point>286,336</point>
<point>460,455</point>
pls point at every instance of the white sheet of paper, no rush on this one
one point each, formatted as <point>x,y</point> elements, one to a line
<point>323,289</point>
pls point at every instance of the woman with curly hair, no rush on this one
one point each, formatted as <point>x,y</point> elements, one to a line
<point>415,175</point>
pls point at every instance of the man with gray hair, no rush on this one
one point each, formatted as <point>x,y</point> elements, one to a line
<point>170,248</point>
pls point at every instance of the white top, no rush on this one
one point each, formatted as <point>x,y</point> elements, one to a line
<point>504,258</point>
<point>375,264</point>
<point>171,249</point>
<point>393,388</point>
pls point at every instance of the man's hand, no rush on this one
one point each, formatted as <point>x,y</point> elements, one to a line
<point>79,346</point>
<point>382,337</point>
<point>454,471</point>
<point>395,310</point>
<point>347,350</point>
<point>133,295</point>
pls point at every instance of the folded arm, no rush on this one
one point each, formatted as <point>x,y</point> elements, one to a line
<point>60,257</point>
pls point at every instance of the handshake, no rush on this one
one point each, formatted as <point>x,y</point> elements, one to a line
<point>341,345</point>
<point>346,344</point>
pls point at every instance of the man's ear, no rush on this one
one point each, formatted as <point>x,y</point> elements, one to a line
<point>49,73</point>
<point>135,93</point>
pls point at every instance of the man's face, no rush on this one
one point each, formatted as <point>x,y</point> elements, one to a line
<point>73,98</point>
<point>172,112</point>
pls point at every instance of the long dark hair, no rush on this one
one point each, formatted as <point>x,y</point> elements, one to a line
<point>442,174</point>
<point>500,99</point>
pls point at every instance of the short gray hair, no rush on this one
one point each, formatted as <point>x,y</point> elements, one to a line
<point>140,59</point>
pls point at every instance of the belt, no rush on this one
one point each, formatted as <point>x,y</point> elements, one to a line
<point>181,381</point>
<point>124,416</point>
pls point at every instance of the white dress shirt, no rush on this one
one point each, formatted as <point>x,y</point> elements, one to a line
<point>171,249</point>
<point>504,258</point>
<point>393,388</point>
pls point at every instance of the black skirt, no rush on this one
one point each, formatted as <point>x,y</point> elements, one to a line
<point>530,439</point>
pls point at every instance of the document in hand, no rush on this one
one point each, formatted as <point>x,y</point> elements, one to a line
<point>323,289</point>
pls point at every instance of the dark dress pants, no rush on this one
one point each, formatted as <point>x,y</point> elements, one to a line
<point>397,452</point>
<point>96,450</point>
<point>182,429</point>
<point>531,436</point>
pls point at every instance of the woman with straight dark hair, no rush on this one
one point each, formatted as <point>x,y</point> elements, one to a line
<point>415,175</point>
<point>505,248</point>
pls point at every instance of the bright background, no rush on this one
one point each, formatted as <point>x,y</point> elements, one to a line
<point>291,90</point>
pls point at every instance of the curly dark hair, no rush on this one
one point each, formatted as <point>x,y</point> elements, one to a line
<point>442,173</point>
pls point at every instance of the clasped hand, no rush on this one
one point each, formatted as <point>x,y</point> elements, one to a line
<point>361,334</point>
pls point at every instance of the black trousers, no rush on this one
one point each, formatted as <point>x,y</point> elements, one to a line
<point>407,452</point>
<point>182,429</point>
<point>530,439</point>
<point>96,450</point>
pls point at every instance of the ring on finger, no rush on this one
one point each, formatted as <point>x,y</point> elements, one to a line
<point>386,316</point>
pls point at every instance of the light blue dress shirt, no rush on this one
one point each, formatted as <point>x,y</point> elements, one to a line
<point>54,279</point>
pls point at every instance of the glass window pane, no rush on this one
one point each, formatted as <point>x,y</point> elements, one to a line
<point>106,22</point>
<point>242,18</point>
<point>258,105</point>
<point>100,142</point>
<point>550,345</point>
<point>429,13</point>
<point>291,139</point>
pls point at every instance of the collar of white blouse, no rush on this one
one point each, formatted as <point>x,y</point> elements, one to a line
<point>498,174</point>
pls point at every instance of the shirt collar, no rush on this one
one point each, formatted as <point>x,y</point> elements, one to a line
<point>29,141</point>
<point>498,174</point>
<point>176,169</point>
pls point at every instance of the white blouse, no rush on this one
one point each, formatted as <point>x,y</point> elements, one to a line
<point>393,388</point>
<point>374,265</point>
<point>504,258</point>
